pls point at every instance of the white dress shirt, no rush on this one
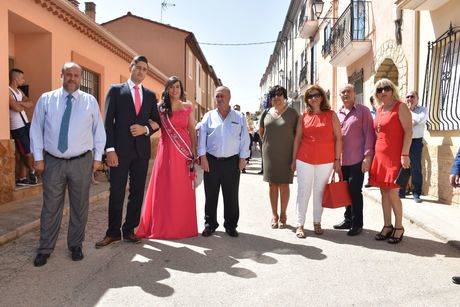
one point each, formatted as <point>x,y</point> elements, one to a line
<point>131,87</point>
<point>419,118</point>
<point>224,137</point>
<point>86,129</point>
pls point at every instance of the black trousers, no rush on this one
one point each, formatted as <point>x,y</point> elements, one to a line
<point>415,155</point>
<point>136,169</point>
<point>225,174</point>
<point>355,178</point>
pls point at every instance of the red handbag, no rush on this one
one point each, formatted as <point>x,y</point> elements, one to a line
<point>336,194</point>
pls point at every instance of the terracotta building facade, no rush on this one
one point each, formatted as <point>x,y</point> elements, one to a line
<point>38,37</point>
<point>174,51</point>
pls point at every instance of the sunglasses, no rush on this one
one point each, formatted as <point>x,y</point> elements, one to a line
<point>278,94</point>
<point>313,96</point>
<point>410,96</point>
<point>385,88</point>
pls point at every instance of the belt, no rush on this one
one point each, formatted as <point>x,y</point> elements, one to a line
<point>222,158</point>
<point>71,158</point>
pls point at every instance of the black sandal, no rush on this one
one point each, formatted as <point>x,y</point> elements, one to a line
<point>395,240</point>
<point>380,236</point>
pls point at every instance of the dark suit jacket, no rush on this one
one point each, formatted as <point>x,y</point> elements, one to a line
<point>120,115</point>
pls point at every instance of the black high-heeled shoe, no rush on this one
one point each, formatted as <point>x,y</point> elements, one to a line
<point>380,236</point>
<point>395,240</point>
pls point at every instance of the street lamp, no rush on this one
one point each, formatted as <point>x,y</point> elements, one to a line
<point>318,6</point>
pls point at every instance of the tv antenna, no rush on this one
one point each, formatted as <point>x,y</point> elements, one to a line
<point>164,5</point>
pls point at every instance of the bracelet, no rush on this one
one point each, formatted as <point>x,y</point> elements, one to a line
<point>337,159</point>
<point>403,155</point>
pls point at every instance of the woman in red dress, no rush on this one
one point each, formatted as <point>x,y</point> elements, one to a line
<point>169,210</point>
<point>393,125</point>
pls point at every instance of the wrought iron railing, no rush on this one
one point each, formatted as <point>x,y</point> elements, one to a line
<point>353,25</point>
<point>326,48</point>
<point>442,82</point>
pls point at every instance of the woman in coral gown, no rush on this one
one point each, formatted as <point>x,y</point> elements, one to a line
<point>169,210</point>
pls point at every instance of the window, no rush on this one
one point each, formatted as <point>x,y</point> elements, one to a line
<point>295,27</point>
<point>296,75</point>
<point>90,82</point>
<point>442,82</point>
<point>190,65</point>
<point>313,69</point>
<point>290,81</point>
<point>326,50</point>
<point>357,79</point>
<point>198,82</point>
<point>359,19</point>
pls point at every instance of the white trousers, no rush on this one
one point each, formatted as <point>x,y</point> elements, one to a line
<point>311,176</point>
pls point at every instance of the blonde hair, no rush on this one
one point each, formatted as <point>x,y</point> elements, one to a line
<point>382,83</point>
<point>324,106</point>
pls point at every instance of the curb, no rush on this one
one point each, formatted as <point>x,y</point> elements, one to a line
<point>22,230</point>
<point>419,223</point>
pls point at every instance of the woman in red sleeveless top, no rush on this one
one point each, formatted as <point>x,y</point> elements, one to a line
<point>393,125</point>
<point>317,150</point>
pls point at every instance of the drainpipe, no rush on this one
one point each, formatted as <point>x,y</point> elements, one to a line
<point>334,69</point>
<point>417,51</point>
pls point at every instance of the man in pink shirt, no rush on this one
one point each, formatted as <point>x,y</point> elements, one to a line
<point>358,149</point>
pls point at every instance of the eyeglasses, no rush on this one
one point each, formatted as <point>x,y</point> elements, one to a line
<point>313,96</point>
<point>385,88</point>
<point>410,96</point>
<point>278,94</point>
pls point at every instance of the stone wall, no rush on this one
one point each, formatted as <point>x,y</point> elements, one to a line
<point>7,171</point>
<point>436,164</point>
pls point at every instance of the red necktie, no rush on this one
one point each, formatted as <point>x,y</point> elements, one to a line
<point>137,99</point>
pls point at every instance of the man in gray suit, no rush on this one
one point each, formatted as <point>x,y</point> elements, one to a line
<point>67,141</point>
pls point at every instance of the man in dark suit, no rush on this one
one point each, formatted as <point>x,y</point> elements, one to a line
<point>129,108</point>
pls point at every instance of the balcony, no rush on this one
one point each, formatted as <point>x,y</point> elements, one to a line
<point>326,48</point>
<point>350,34</point>
<point>307,27</point>
<point>303,76</point>
<point>420,5</point>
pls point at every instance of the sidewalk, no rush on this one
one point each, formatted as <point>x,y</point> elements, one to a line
<point>441,220</point>
<point>20,217</point>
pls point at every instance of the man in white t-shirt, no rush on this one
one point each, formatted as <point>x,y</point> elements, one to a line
<point>19,128</point>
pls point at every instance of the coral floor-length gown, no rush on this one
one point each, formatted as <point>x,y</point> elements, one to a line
<point>169,210</point>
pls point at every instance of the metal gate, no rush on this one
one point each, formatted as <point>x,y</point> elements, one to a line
<point>442,82</point>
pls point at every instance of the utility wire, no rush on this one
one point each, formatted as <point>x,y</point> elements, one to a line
<point>238,44</point>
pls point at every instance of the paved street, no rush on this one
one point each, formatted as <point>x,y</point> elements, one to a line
<point>263,267</point>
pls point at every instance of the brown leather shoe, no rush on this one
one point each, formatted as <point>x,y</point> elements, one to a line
<point>106,241</point>
<point>132,238</point>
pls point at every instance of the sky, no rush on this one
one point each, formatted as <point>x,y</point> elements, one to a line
<point>218,21</point>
